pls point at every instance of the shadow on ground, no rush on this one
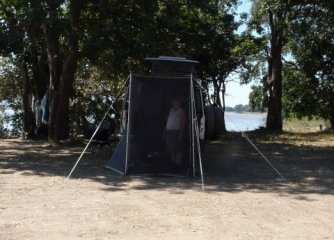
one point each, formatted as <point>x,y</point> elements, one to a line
<point>231,165</point>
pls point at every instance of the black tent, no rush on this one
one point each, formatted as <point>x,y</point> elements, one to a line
<point>145,109</point>
<point>141,149</point>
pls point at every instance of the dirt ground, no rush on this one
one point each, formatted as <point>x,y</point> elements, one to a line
<point>244,197</point>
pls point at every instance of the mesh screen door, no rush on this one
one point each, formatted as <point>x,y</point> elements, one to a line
<point>150,103</point>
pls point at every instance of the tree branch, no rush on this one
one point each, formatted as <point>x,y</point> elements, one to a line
<point>291,63</point>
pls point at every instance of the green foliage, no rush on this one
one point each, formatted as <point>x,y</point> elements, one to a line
<point>4,129</point>
<point>257,99</point>
<point>10,84</point>
<point>204,31</point>
<point>116,36</point>
<point>93,95</point>
<point>238,108</point>
<point>299,94</point>
<point>305,124</point>
<point>311,86</point>
<point>241,108</point>
<point>10,97</point>
<point>303,29</point>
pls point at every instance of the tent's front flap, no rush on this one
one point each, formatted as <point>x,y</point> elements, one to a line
<point>117,161</point>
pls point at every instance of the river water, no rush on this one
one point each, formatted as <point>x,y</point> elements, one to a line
<point>239,122</point>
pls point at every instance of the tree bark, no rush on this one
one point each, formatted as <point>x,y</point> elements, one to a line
<point>331,112</point>
<point>331,119</point>
<point>29,125</point>
<point>53,56</point>
<point>223,95</point>
<point>217,90</point>
<point>274,117</point>
<point>68,73</point>
<point>65,89</point>
<point>224,105</point>
<point>61,74</point>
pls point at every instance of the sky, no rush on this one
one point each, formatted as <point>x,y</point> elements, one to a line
<point>236,93</point>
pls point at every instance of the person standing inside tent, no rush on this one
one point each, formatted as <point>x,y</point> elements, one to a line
<point>175,131</point>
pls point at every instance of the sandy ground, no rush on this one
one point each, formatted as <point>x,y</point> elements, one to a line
<point>244,198</point>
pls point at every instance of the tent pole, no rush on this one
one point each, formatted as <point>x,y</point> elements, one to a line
<point>197,133</point>
<point>123,127</point>
<point>192,126</point>
<point>128,126</point>
<point>199,156</point>
<point>98,127</point>
<point>190,133</point>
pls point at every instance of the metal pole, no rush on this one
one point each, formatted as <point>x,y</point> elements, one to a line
<point>243,134</point>
<point>264,157</point>
<point>192,125</point>
<point>199,156</point>
<point>128,126</point>
<point>197,136</point>
<point>123,127</point>
<point>189,149</point>
<point>98,127</point>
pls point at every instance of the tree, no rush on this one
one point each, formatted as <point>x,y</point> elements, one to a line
<point>204,31</point>
<point>257,99</point>
<point>21,44</point>
<point>240,108</point>
<point>46,32</point>
<point>277,16</point>
<point>273,14</point>
<point>10,98</point>
<point>212,39</point>
<point>310,81</point>
<point>62,61</point>
<point>52,39</point>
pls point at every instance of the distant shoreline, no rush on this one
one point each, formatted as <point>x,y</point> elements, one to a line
<point>244,121</point>
<point>246,112</point>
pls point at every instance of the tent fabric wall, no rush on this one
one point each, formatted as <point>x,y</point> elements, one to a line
<point>142,148</point>
<point>117,163</point>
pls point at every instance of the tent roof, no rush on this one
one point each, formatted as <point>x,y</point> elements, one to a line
<point>171,59</point>
<point>162,77</point>
<point>171,66</point>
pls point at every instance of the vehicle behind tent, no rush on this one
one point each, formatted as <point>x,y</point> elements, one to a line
<point>148,99</point>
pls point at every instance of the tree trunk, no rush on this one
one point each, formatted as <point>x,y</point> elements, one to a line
<point>61,76</point>
<point>331,112</point>
<point>216,95</point>
<point>68,73</point>
<point>29,125</point>
<point>274,117</point>
<point>65,88</point>
<point>218,89</point>
<point>40,77</point>
<point>223,106</point>
<point>53,56</point>
<point>223,95</point>
<point>331,120</point>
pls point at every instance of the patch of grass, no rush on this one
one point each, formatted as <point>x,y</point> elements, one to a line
<point>305,125</point>
<point>316,139</point>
